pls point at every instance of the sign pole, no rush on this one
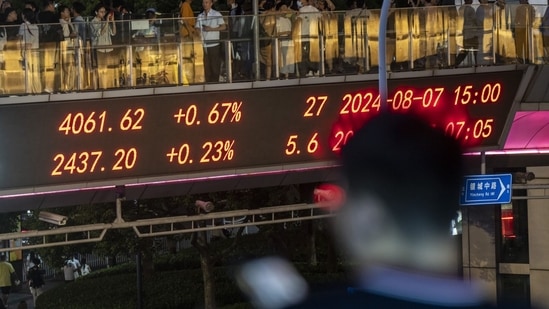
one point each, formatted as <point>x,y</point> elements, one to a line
<point>382,67</point>
<point>483,162</point>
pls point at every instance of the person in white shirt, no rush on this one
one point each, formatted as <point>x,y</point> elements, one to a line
<point>310,49</point>
<point>76,261</point>
<point>69,270</point>
<point>85,269</point>
<point>209,23</point>
<point>284,32</point>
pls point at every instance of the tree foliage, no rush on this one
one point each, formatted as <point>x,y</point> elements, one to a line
<point>9,222</point>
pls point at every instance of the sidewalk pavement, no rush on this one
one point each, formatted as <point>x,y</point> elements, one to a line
<point>22,293</point>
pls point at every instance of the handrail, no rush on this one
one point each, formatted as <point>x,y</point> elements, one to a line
<point>166,225</point>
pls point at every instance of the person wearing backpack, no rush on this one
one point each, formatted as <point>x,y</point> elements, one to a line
<point>35,275</point>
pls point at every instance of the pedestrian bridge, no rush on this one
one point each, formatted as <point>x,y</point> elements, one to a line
<point>144,123</point>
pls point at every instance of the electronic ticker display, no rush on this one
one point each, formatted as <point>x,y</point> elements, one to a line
<point>66,142</point>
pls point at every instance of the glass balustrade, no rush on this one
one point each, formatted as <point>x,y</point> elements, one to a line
<point>275,45</point>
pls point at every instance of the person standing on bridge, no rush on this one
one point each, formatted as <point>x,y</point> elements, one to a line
<point>470,32</point>
<point>525,16</point>
<point>102,28</point>
<point>209,24</point>
<point>30,43</point>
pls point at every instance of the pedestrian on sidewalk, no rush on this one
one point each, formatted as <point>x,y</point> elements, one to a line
<point>69,270</point>
<point>7,273</point>
<point>36,280</point>
<point>85,268</point>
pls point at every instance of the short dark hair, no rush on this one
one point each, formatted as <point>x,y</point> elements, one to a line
<point>32,4</point>
<point>117,3</point>
<point>78,7</point>
<point>29,15</point>
<point>99,6</point>
<point>45,3</point>
<point>413,168</point>
<point>61,8</point>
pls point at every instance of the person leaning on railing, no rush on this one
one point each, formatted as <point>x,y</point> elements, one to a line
<point>30,38</point>
<point>67,45</point>
<point>49,44</point>
<point>470,32</point>
<point>308,19</point>
<point>188,20</point>
<point>286,45</point>
<point>102,28</point>
<point>524,19</point>
<point>267,22</point>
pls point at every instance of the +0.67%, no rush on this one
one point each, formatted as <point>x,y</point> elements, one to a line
<point>226,112</point>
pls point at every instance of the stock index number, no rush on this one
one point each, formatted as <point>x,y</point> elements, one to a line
<point>96,122</point>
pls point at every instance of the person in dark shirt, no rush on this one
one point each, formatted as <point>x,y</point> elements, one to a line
<point>402,179</point>
<point>11,23</point>
<point>470,32</point>
<point>50,34</point>
<point>35,276</point>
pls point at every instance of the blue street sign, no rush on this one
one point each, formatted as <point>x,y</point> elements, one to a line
<point>486,189</point>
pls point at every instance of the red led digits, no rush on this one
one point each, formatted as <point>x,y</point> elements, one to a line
<point>132,119</point>
<point>77,162</point>
<point>431,97</point>
<point>125,159</point>
<point>181,154</point>
<point>360,103</point>
<point>315,105</point>
<point>76,123</point>
<point>217,151</point>
<point>293,145</point>
<point>340,138</point>
<point>450,110</point>
<point>467,94</point>
<point>403,100</point>
<point>87,162</point>
<point>206,131</point>
<point>225,112</point>
<point>464,130</point>
<point>94,122</point>
<point>187,116</point>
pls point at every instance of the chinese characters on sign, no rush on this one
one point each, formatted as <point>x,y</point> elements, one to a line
<point>486,189</point>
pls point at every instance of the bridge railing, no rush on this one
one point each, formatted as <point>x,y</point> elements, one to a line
<point>275,45</point>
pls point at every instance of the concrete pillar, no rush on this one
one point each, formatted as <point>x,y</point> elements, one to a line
<point>479,252</point>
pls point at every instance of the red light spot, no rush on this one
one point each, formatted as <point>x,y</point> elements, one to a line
<point>329,196</point>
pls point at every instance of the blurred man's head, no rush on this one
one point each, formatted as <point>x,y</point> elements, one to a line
<point>403,180</point>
